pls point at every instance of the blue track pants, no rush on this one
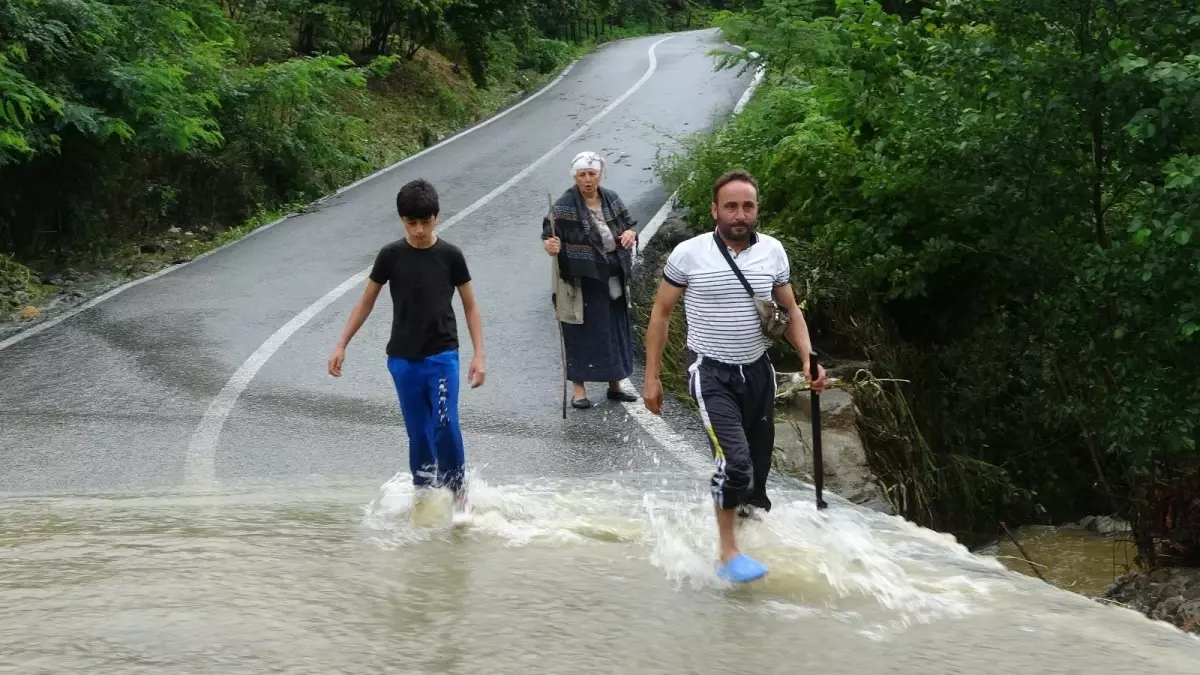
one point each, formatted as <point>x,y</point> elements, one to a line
<point>428,391</point>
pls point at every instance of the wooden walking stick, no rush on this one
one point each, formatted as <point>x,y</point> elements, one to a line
<point>562,349</point>
<point>818,461</point>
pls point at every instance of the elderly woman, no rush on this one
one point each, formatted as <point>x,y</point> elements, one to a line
<point>592,237</point>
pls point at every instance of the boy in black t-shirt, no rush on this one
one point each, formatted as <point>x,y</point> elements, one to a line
<point>423,272</point>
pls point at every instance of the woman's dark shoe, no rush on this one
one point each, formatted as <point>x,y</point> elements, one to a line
<point>618,395</point>
<point>581,403</point>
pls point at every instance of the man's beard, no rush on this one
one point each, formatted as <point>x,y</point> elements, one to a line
<point>729,232</point>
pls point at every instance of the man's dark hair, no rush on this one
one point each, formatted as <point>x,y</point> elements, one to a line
<point>417,199</point>
<point>726,179</point>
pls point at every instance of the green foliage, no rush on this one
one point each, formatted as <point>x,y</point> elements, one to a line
<point>475,22</point>
<point>127,71</point>
<point>119,118</point>
<point>89,83</point>
<point>543,56</point>
<point>1000,197</point>
<point>16,284</point>
<point>285,120</point>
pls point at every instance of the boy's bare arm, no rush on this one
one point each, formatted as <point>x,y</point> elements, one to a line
<point>358,316</point>
<point>477,372</point>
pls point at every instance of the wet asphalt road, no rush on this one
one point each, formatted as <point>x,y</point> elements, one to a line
<point>109,399</point>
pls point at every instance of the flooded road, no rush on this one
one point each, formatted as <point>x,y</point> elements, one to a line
<point>610,575</point>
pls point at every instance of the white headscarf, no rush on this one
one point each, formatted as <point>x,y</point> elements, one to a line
<point>587,160</point>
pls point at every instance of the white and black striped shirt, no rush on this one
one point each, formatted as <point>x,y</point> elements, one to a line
<point>722,320</point>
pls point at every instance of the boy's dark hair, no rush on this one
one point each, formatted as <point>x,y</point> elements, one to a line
<point>735,175</point>
<point>417,199</point>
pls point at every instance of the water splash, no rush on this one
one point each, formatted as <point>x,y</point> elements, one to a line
<point>834,559</point>
<point>533,513</point>
<point>840,562</point>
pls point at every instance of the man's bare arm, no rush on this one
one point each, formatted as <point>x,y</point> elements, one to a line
<point>656,338</point>
<point>660,320</point>
<point>797,332</point>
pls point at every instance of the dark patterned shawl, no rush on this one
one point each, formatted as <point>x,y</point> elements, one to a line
<point>582,253</point>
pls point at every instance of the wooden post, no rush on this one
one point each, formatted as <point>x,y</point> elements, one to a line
<point>562,349</point>
<point>1023,553</point>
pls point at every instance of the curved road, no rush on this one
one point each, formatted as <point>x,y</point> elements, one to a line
<point>591,547</point>
<point>114,398</point>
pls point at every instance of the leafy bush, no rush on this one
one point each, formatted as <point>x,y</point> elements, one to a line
<point>15,283</point>
<point>88,85</point>
<point>544,56</point>
<point>1001,201</point>
<point>285,121</point>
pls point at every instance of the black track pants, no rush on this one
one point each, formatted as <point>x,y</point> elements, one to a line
<point>737,406</point>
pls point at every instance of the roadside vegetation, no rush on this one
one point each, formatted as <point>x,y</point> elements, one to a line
<point>140,133</point>
<point>996,204</point>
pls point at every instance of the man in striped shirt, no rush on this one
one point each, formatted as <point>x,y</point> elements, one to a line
<point>729,374</point>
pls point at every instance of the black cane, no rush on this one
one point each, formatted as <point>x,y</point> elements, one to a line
<point>818,462</point>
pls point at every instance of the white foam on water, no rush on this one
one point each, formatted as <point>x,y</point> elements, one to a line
<point>835,560</point>
<point>519,515</point>
<point>880,572</point>
<point>682,537</point>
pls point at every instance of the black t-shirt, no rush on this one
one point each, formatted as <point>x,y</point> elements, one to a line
<point>422,282</point>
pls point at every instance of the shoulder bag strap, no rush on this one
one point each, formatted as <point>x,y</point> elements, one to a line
<point>729,259</point>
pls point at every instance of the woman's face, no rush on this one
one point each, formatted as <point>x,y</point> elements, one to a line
<point>588,181</point>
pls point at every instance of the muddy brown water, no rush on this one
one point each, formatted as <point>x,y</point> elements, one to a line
<point>604,575</point>
<point>1069,557</point>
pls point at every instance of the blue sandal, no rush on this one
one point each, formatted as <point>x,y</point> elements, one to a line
<point>741,569</point>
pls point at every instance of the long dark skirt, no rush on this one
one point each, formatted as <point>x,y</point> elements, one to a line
<point>601,348</point>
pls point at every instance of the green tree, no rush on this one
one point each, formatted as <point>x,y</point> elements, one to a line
<point>994,202</point>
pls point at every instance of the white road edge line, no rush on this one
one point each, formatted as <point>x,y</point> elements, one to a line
<point>654,425</point>
<point>662,433</point>
<point>657,220</point>
<point>199,469</point>
<point>30,332</point>
<point>654,223</point>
